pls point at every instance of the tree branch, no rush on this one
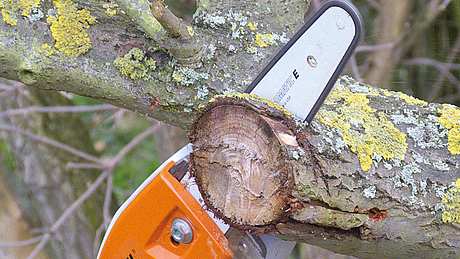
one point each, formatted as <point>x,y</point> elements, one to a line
<point>58,109</point>
<point>172,24</point>
<point>69,212</point>
<point>171,93</point>
<point>50,142</point>
<point>375,174</point>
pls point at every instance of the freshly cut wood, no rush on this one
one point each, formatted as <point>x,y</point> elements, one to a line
<point>239,160</point>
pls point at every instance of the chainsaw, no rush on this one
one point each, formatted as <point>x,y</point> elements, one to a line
<point>166,217</point>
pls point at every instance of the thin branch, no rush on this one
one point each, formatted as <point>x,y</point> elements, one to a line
<point>51,142</point>
<point>377,47</point>
<point>72,165</point>
<point>355,69</point>
<point>107,202</point>
<point>59,109</point>
<point>20,243</point>
<point>436,89</point>
<point>97,238</point>
<point>133,143</point>
<point>154,16</point>
<point>69,212</point>
<point>92,188</point>
<point>170,22</point>
<point>139,12</point>
<point>442,66</point>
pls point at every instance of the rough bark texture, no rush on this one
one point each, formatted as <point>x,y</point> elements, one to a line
<point>371,179</point>
<point>231,56</point>
<point>38,177</point>
<point>374,174</point>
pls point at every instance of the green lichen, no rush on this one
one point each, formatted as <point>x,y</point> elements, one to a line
<point>135,65</point>
<point>450,119</point>
<point>253,97</point>
<point>451,202</point>
<point>187,76</point>
<point>69,28</point>
<point>10,8</point>
<point>366,132</point>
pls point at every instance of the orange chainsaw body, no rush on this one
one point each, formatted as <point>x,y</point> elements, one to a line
<point>143,230</point>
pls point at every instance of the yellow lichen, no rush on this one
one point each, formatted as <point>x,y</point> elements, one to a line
<point>47,49</point>
<point>451,202</point>
<point>27,5</point>
<point>8,16</point>
<point>450,119</point>
<point>264,40</point>
<point>69,28</point>
<point>246,96</point>
<point>412,100</point>
<point>190,31</point>
<point>252,26</point>
<point>365,131</point>
<point>9,8</point>
<point>111,9</point>
<point>135,65</point>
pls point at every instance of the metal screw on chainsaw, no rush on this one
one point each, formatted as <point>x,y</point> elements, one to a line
<point>312,62</point>
<point>181,231</point>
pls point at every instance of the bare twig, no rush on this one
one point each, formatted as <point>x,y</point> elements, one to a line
<point>441,66</point>
<point>73,165</point>
<point>107,202</point>
<point>59,109</point>
<point>133,143</point>
<point>371,48</point>
<point>355,69</point>
<point>69,212</point>
<point>20,243</point>
<point>436,89</point>
<point>51,142</point>
<point>92,188</point>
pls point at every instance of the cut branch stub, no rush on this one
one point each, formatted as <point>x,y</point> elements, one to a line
<point>240,150</point>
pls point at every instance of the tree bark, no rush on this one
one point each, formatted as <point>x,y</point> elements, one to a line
<point>230,58</point>
<point>39,179</point>
<point>371,177</point>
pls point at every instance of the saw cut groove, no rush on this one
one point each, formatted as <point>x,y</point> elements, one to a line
<point>239,164</point>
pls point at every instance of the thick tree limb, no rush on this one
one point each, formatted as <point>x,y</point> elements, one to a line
<point>374,176</point>
<point>171,93</point>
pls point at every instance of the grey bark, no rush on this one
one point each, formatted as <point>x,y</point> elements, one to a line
<point>393,207</point>
<point>230,60</point>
